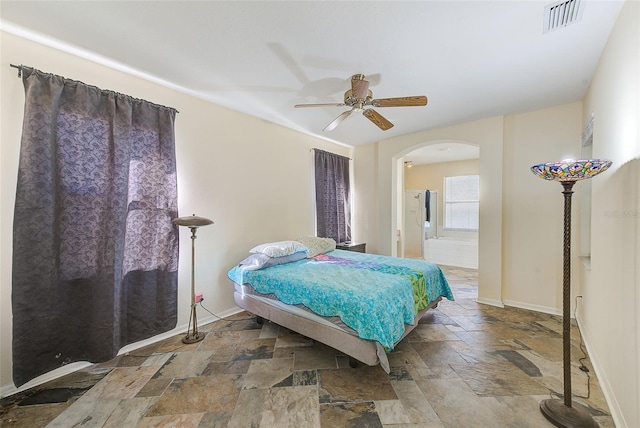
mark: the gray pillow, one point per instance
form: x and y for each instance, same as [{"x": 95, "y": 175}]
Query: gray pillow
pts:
[{"x": 262, "y": 261}]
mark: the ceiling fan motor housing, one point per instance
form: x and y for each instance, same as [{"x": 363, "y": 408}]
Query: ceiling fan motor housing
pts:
[{"x": 350, "y": 100}]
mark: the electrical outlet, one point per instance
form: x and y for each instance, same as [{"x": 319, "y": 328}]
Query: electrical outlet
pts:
[{"x": 199, "y": 297}]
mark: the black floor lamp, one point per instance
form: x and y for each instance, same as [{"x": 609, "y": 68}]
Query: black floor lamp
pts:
[
  {"x": 567, "y": 172},
  {"x": 192, "y": 222}
]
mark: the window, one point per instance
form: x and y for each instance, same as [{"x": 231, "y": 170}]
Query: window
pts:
[{"x": 461, "y": 202}]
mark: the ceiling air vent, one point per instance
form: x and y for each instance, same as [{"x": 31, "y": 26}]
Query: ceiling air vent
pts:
[{"x": 561, "y": 14}]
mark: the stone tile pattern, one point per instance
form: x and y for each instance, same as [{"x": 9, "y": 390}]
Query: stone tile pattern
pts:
[{"x": 465, "y": 365}]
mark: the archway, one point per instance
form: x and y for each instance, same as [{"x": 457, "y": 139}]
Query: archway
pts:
[
  {"x": 488, "y": 134},
  {"x": 421, "y": 204}
]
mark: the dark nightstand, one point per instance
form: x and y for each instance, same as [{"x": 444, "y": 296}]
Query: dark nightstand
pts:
[{"x": 351, "y": 246}]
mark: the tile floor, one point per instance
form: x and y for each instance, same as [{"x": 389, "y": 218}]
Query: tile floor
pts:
[{"x": 465, "y": 365}]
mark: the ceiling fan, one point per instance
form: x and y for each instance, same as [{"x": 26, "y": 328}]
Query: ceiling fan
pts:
[{"x": 359, "y": 97}]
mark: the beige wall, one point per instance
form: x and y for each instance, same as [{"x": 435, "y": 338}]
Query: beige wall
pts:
[
  {"x": 508, "y": 189},
  {"x": 365, "y": 196},
  {"x": 431, "y": 176},
  {"x": 252, "y": 178},
  {"x": 532, "y": 209},
  {"x": 609, "y": 313}
]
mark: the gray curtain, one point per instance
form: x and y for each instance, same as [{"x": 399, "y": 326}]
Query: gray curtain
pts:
[
  {"x": 333, "y": 196},
  {"x": 95, "y": 254}
]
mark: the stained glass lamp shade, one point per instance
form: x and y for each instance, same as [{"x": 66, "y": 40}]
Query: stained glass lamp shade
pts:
[
  {"x": 570, "y": 170},
  {"x": 567, "y": 172}
]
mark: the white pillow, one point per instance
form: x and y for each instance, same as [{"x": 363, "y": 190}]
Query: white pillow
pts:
[{"x": 279, "y": 249}]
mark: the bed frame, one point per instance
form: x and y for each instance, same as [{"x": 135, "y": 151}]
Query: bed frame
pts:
[{"x": 366, "y": 351}]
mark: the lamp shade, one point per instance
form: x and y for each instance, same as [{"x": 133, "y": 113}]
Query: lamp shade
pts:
[
  {"x": 570, "y": 170},
  {"x": 192, "y": 221}
]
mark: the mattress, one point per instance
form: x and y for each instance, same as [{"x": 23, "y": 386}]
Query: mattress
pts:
[{"x": 376, "y": 296}]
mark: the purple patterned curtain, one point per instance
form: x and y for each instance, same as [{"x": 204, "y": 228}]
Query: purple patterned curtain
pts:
[
  {"x": 95, "y": 255},
  {"x": 333, "y": 196}
]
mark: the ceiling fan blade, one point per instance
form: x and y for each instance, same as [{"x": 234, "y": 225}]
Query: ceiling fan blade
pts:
[
  {"x": 320, "y": 105},
  {"x": 337, "y": 121},
  {"x": 419, "y": 100},
  {"x": 377, "y": 119},
  {"x": 359, "y": 86}
]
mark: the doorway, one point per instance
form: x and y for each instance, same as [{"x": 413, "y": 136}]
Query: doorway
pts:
[{"x": 425, "y": 230}]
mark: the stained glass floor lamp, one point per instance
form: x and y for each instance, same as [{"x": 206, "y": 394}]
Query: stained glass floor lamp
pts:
[
  {"x": 192, "y": 222},
  {"x": 567, "y": 172}
]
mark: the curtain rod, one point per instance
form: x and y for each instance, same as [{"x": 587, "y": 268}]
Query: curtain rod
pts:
[
  {"x": 21, "y": 67},
  {"x": 320, "y": 150}
]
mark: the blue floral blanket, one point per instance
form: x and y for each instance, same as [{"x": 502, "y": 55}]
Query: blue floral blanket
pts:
[{"x": 374, "y": 295}]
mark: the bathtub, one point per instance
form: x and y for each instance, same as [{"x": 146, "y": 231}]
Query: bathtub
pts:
[{"x": 452, "y": 251}]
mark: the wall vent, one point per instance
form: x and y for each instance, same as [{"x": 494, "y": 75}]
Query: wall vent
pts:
[{"x": 561, "y": 14}]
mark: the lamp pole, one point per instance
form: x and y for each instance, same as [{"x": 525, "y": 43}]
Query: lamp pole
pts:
[
  {"x": 192, "y": 222},
  {"x": 192, "y": 329},
  {"x": 566, "y": 414}
]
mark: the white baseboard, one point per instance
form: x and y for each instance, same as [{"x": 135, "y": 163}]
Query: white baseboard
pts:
[
  {"x": 607, "y": 391},
  {"x": 10, "y": 389},
  {"x": 491, "y": 302},
  {"x": 536, "y": 308}
]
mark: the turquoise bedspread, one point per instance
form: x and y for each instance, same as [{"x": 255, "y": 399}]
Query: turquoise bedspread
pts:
[{"x": 374, "y": 295}]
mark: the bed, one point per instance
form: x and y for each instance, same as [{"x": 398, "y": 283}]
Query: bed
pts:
[{"x": 360, "y": 304}]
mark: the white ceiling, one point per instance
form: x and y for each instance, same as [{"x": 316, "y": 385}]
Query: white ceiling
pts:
[{"x": 472, "y": 59}]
